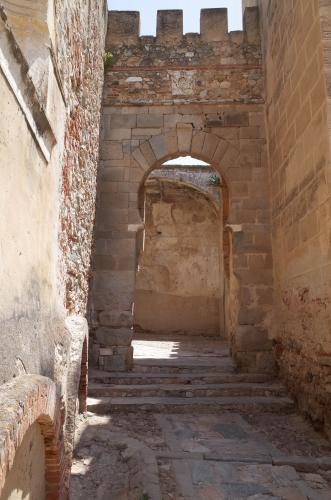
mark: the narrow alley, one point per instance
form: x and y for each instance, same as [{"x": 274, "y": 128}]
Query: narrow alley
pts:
[{"x": 184, "y": 425}]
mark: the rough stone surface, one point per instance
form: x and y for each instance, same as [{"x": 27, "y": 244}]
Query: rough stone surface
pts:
[
  {"x": 190, "y": 455},
  {"x": 298, "y": 124},
  {"x": 178, "y": 279},
  {"x": 50, "y": 83}
]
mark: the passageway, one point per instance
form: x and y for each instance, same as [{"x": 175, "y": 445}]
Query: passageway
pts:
[
  {"x": 180, "y": 279},
  {"x": 185, "y": 425}
]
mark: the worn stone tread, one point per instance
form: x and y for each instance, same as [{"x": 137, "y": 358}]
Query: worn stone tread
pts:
[
  {"x": 145, "y": 377},
  {"x": 182, "y": 365},
  {"x": 104, "y": 404},
  {"x": 188, "y": 390},
  {"x": 191, "y": 361}
]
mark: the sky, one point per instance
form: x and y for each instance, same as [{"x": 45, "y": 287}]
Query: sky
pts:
[
  {"x": 191, "y": 10},
  {"x": 185, "y": 160}
]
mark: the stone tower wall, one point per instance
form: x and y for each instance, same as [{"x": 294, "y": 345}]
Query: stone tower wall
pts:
[
  {"x": 297, "y": 65},
  {"x": 165, "y": 96}
]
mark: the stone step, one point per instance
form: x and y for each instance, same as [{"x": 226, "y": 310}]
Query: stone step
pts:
[
  {"x": 106, "y": 405},
  {"x": 180, "y": 365},
  {"x": 133, "y": 378},
  {"x": 186, "y": 391}
]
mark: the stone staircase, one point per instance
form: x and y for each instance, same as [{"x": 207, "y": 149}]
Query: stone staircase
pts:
[{"x": 181, "y": 375}]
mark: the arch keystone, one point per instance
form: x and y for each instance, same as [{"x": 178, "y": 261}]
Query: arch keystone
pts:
[{"x": 184, "y": 137}]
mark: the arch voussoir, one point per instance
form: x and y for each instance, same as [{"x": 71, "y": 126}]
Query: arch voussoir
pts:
[
  {"x": 140, "y": 159},
  {"x": 148, "y": 153},
  {"x": 197, "y": 143},
  {"x": 210, "y": 145},
  {"x": 230, "y": 157}
]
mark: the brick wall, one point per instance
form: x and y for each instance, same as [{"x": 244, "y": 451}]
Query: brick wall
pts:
[{"x": 299, "y": 153}]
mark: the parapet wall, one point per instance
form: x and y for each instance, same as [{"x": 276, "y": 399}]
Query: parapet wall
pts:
[
  {"x": 124, "y": 28},
  {"x": 219, "y": 66}
]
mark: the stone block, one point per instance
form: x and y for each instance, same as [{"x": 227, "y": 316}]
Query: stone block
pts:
[
  {"x": 111, "y": 151},
  {"x": 214, "y": 25},
  {"x": 150, "y": 121},
  {"x": 265, "y": 362},
  {"x": 250, "y": 338},
  {"x": 118, "y": 200},
  {"x": 110, "y": 337},
  {"x": 184, "y": 136},
  {"x": 220, "y": 151},
  {"x": 210, "y": 145},
  {"x": 110, "y": 216},
  {"x": 230, "y": 157},
  {"x": 158, "y": 146},
  {"x": 136, "y": 175},
  {"x": 265, "y": 296},
  {"x": 198, "y": 142},
  {"x": 105, "y": 351},
  {"x": 121, "y": 360},
  {"x": 122, "y": 246},
  {"x": 108, "y": 187},
  {"x": 171, "y": 142},
  {"x": 119, "y": 134},
  {"x": 140, "y": 158},
  {"x": 113, "y": 174},
  {"x": 148, "y": 153},
  {"x": 145, "y": 132},
  {"x": 251, "y": 132},
  {"x": 115, "y": 281},
  {"x": 251, "y": 25},
  {"x": 123, "y": 28},
  {"x": 104, "y": 263},
  {"x": 115, "y": 318},
  {"x": 95, "y": 353},
  {"x": 169, "y": 26},
  {"x": 235, "y": 119},
  {"x": 251, "y": 315},
  {"x": 122, "y": 121}
]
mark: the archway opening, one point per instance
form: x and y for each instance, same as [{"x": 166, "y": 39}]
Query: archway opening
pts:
[{"x": 181, "y": 255}]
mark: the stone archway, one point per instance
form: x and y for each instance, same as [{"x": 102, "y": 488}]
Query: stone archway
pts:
[
  {"x": 26, "y": 401},
  {"x": 179, "y": 284},
  {"x": 247, "y": 237}
]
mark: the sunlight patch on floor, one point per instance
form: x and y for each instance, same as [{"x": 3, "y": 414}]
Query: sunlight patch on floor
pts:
[{"x": 156, "y": 350}]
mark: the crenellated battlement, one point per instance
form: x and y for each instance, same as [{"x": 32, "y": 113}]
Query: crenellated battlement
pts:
[
  {"x": 213, "y": 64},
  {"x": 124, "y": 28}
]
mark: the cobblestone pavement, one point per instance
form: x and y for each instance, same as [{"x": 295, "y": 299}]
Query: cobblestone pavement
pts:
[{"x": 222, "y": 455}]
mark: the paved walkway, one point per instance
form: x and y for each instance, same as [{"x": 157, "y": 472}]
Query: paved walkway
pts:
[{"x": 132, "y": 448}]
